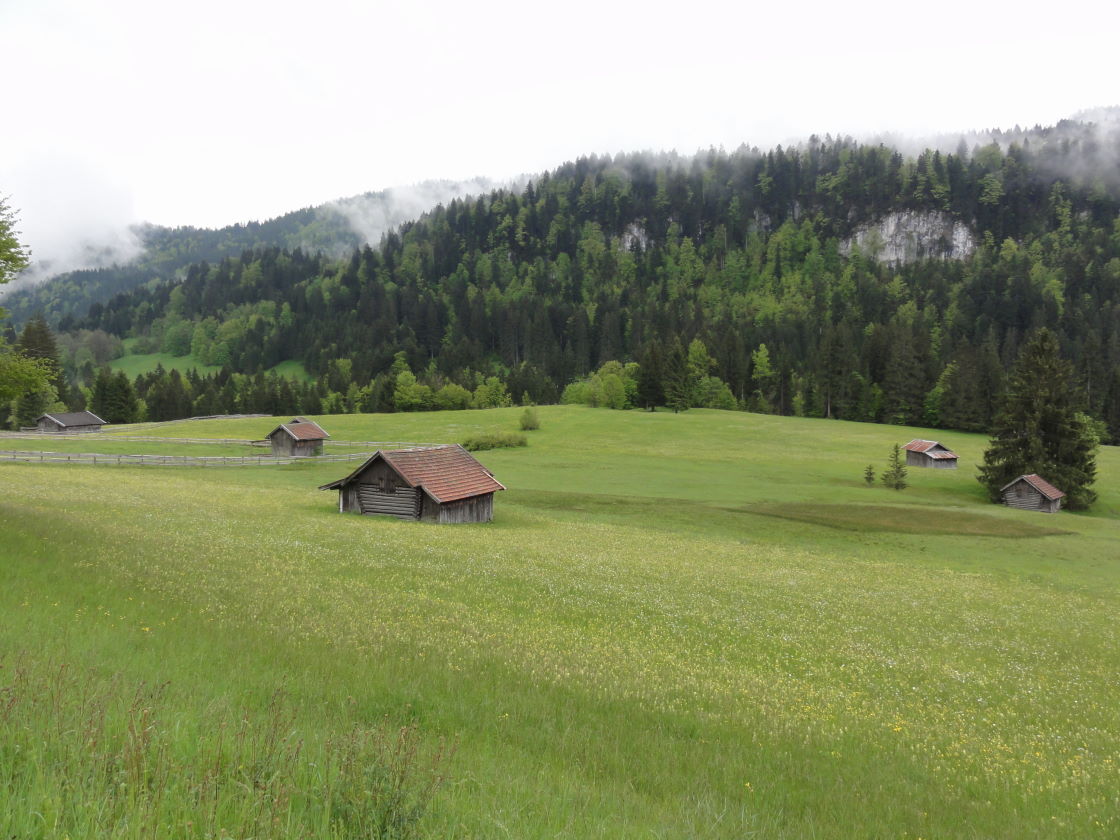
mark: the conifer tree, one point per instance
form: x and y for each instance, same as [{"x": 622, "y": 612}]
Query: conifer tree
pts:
[
  {"x": 894, "y": 476},
  {"x": 651, "y": 392},
  {"x": 678, "y": 385},
  {"x": 1039, "y": 428}
]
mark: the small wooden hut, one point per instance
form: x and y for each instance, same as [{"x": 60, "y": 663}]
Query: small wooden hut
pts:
[
  {"x": 930, "y": 453},
  {"x": 299, "y": 437},
  {"x": 1031, "y": 492},
  {"x": 74, "y": 421},
  {"x": 434, "y": 484}
]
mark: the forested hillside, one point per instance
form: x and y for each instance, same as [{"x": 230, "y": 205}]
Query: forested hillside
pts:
[
  {"x": 748, "y": 257},
  {"x": 336, "y": 229}
]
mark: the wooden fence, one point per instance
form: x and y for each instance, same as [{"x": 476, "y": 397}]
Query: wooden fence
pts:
[
  {"x": 109, "y": 436},
  {"x": 175, "y": 460}
]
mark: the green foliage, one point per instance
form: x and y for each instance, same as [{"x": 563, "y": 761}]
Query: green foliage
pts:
[
  {"x": 750, "y": 259},
  {"x": 650, "y": 384},
  {"x": 530, "y": 421},
  {"x": 14, "y": 256},
  {"x": 678, "y": 384},
  {"x": 30, "y": 374},
  {"x": 409, "y": 395},
  {"x": 869, "y": 475},
  {"x": 1040, "y": 429},
  {"x": 894, "y": 476},
  {"x": 491, "y": 393},
  {"x": 494, "y": 440},
  {"x": 19, "y": 374},
  {"x": 453, "y": 397}
]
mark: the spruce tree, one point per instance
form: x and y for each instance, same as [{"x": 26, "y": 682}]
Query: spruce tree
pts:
[
  {"x": 677, "y": 384},
  {"x": 651, "y": 392},
  {"x": 894, "y": 476},
  {"x": 1039, "y": 428}
]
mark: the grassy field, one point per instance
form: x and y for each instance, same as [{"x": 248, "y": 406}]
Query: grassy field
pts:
[{"x": 695, "y": 625}]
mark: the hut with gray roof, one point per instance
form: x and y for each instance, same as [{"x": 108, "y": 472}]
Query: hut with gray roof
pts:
[
  {"x": 444, "y": 484},
  {"x": 298, "y": 437},
  {"x": 930, "y": 453},
  {"x": 69, "y": 422},
  {"x": 1032, "y": 492}
]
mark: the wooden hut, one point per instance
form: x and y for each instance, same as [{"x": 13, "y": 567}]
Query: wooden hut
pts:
[
  {"x": 435, "y": 484},
  {"x": 930, "y": 453},
  {"x": 299, "y": 437},
  {"x": 74, "y": 421},
  {"x": 1031, "y": 492}
]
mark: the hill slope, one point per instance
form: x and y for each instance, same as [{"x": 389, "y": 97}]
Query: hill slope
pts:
[
  {"x": 834, "y": 279},
  {"x": 696, "y": 625},
  {"x": 336, "y": 228}
]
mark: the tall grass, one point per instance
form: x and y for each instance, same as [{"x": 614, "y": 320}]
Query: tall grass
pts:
[
  {"x": 702, "y": 625},
  {"x": 82, "y": 755}
]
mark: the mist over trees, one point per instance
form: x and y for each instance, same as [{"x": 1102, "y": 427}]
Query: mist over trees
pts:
[{"x": 746, "y": 261}]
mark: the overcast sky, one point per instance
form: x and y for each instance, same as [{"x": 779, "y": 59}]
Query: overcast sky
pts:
[{"x": 208, "y": 113}]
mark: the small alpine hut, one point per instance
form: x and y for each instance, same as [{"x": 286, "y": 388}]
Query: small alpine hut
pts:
[
  {"x": 442, "y": 484},
  {"x": 930, "y": 453},
  {"x": 299, "y": 437},
  {"x": 1031, "y": 492},
  {"x": 74, "y": 421}
]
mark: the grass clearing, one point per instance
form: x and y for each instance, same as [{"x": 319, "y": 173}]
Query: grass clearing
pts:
[
  {"x": 701, "y": 625},
  {"x": 134, "y": 364}
]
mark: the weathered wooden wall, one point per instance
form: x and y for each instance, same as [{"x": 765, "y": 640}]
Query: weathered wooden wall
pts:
[
  {"x": 474, "y": 509},
  {"x": 920, "y": 459},
  {"x": 1024, "y": 497},
  {"x": 282, "y": 443},
  {"x": 401, "y": 502}
]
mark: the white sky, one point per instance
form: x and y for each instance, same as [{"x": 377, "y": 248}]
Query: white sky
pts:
[{"x": 218, "y": 111}]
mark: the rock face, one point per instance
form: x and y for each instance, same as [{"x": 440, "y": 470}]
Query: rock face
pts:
[{"x": 907, "y": 236}]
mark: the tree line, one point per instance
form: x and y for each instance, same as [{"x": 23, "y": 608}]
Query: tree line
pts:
[{"x": 750, "y": 254}]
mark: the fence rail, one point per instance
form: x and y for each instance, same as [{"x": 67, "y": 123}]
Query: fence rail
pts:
[
  {"x": 174, "y": 460},
  {"x": 109, "y": 436}
]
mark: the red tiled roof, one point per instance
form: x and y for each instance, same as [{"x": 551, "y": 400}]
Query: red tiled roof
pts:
[
  {"x": 447, "y": 473},
  {"x": 1042, "y": 486},
  {"x": 306, "y": 430}
]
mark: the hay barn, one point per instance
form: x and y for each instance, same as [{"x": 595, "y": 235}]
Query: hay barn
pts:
[
  {"x": 930, "y": 453},
  {"x": 442, "y": 484},
  {"x": 74, "y": 421},
  {"x": 1032, "y": 492},
  {"x": 298, "y": 437}
]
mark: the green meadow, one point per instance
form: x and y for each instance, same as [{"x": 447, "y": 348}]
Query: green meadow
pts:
[{"x": 677, "y": 626}]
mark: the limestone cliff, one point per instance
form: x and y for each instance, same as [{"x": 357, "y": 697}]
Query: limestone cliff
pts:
[{"x": 906, "y": 236}]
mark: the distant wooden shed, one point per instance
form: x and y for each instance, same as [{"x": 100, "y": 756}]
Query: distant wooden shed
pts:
[
  {"x": 298, "y": 437},
  {"x": 74, "y": 421},
  {"x": 1032, "y": 492},
  {"x": 930, "y": 453},
  {"x": 435, "y": 484}
]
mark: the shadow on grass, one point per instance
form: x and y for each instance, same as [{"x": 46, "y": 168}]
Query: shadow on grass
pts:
[
  {"x": 902, "y": 520},
  {"x": 671, "y": 513}
]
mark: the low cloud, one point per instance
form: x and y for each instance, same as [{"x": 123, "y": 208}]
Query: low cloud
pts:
[
  {"x": 372, "y": 215},
  {"x": 70, "y": 216}
]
